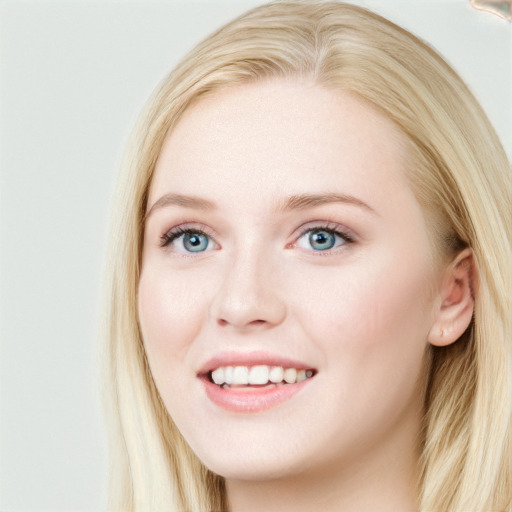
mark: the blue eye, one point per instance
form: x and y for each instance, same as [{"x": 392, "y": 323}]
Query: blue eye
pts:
[
  {"x": 188, "y": 241},
  {"x": 195, "y": 242},
  {"x": 322, "y": 239}
]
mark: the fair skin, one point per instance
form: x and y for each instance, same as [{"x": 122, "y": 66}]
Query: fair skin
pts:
[{"x": 291, "y": 230}]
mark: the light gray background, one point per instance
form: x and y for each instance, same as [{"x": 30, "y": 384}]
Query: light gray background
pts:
[{"x": 73, "y": 75}]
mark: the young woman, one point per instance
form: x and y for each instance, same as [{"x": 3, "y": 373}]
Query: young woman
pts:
[{"x": 309, "y": 286}]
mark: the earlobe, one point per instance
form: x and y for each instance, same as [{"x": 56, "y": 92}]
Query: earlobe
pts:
[{"x": 456, "y": 303}]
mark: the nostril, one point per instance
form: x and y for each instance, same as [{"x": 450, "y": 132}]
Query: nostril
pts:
[{"x": 222, "y": 322}]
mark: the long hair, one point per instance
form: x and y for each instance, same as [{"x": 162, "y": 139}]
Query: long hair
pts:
[{"x": 461, "y": 177}]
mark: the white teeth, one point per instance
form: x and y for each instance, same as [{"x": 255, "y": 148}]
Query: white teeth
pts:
[
  {"x": 276, "y": 374},
  {"x": 259, "y": 375},
  {"x": 218, "y": 376},
  {"x": 240, "y": 375},
  {"x": 228, "y": 375},
  {"x": 301, "y": 375},
  {"x": 290, "y": 375}
]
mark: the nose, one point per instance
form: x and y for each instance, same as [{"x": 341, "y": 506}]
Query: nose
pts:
[{"x": 249, "y": 296}]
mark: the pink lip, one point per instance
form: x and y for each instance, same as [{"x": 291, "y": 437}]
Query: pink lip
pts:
[{"x": 250, "y": 399}]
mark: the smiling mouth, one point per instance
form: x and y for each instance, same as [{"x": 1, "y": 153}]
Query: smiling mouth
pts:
[
  {"x": 257, "y": 376},
  {"x": 254, "y": 388}
]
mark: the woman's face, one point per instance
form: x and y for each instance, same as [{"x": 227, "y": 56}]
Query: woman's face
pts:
[{"x": 283, "y": 243}]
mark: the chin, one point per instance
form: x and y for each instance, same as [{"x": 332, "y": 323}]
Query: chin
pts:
[
  {"x": 264, "y": 468},
  {"x": 254, "y": 459}
]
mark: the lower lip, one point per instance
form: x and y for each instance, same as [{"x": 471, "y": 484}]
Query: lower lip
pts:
[{"x": 251, "y": 400}]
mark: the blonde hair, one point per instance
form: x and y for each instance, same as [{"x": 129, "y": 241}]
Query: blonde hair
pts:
[{"x": 460, "y": 175}]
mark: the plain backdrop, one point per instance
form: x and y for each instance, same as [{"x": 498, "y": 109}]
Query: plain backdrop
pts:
[{"x": 73, "y": 76}]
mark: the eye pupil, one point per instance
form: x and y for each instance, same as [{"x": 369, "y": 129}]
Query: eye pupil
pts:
[
  {"x": 195, "y": 242},
  {"x": 322, "y": 240}
]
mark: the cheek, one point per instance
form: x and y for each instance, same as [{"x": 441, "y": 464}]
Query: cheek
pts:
[
  {"x": 371, "y": 327},
  {"x": 171, "y": 312},
  {"x": 371, "y": 322},
  {"x": 365, "y": 301},
  {"x": 390, "y": 309}
]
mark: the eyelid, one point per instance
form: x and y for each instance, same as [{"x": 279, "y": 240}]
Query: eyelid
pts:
[
  {"x": 175, "y": 232},
  {"x": 333, "y": 227},
  {"x": 339, "y": 229}
]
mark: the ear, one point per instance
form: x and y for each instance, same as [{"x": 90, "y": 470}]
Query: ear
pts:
[{"x": 456, "y": 303}]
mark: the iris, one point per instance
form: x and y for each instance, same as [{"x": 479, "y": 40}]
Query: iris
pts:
[
  {"x": 195, "y": 242},
  {"x": 321, "y": 240}
]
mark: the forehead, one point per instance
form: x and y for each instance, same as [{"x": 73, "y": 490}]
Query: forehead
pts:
[{"x": 288, "y": 137}]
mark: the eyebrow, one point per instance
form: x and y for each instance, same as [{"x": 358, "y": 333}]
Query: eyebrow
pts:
[
  {"x": 304, "y": 201},
  {"x": 192, "y": 202},
  {"x": 295, "y": 202}
]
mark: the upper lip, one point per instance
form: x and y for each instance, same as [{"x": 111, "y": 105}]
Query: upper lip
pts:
[{"x": 253, "y": 358}]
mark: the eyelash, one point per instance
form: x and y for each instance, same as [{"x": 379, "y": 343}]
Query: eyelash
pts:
[
  {"x": 334, "y": 229},
  {"x": 173, "y": 234},
  {"x": 331, "y": 228}
]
